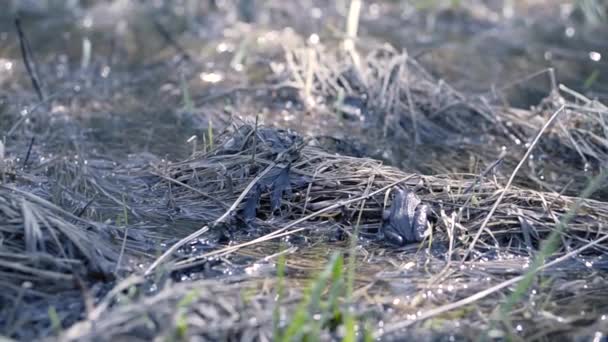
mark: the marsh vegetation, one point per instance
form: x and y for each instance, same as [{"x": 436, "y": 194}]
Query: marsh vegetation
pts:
[{"x": 310, "y": 170}]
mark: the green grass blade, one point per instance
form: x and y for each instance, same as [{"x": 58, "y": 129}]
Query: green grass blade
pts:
[
  {"x": 303, "y": 323},
  {"x": 188, "y": 104},
  {"x": 276, "y": 314},
  {"x": 55, "y": 320}
]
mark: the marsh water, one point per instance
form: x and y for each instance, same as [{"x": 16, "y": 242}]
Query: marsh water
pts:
[
  {"x": 129, "y": 84},
  {"x": 102, "y": 48}
]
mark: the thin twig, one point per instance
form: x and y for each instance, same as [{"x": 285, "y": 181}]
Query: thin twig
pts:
[
  {"x": 255, "y": 139},
  {"x": 86, "y": 206},
  {"x": 243, "y": 194},
  {"x": 122, "y": 250},
  {"x": 28, "y": 59},
  {"x": 203, "y": 194},
  {"x": 29, "y": 151},
  {"x": 175, "y": 247},
  {"x": 160, "y": 28}
]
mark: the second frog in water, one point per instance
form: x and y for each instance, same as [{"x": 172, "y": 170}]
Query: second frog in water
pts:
[{"x": 405, "y": 221}]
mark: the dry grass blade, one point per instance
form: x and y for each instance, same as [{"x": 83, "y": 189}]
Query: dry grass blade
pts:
[{"x": 174, "y": 248}]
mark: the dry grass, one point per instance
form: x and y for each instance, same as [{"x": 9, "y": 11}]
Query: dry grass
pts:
[
  {"x": 126, "y": 239},
  {"x": 413, "y": 117},
  {"x": 46, "y": 251},
  {"x": 211, "y": 310},
  {"x": 42, "y": 242},
  {"x": 320, "y": 180}
]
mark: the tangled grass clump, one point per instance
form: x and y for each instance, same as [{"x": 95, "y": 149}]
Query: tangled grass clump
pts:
[{"x": 46, "y": 249}]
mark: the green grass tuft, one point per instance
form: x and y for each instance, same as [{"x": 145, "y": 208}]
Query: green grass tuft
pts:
[
  {"x": 55, "y": 320},
  {"x": 316, "y": 312}
]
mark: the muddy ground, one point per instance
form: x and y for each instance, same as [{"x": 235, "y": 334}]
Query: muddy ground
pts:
[{"x": 230, "y": 170}]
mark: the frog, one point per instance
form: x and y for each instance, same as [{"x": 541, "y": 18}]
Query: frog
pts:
[{"x": 406, "y": 219}]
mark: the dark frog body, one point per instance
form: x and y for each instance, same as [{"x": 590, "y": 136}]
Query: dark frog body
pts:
[{"x": 405, "y": 221}]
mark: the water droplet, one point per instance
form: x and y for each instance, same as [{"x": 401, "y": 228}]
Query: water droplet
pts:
[
  {"x": 87, "y": 22},
  {"x": 211, "y": 77},
  {"x": 570, "y": 31},
  {"x": 314, "y": 39},
  {"x": 595, "y": 56},
  {"x": 224, "y": 47},
  {"x": 105, "y": 71}
]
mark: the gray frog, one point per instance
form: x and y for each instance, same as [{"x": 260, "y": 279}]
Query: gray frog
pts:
[{"x": 406, "y": 219}]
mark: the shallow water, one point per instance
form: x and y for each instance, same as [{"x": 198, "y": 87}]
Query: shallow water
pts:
[{"x": 138, "y": 84}]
